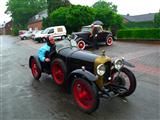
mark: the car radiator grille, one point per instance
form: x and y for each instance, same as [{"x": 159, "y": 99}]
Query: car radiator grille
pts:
[{"x": 108, "y": 71}]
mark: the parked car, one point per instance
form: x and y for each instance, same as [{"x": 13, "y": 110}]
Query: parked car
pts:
[
  {"x": 26, "y": 35},
  {"x": 22, "y": 32},
  {"x": 56, "y": 31},
  {"x": 84, "y": 38},
  {"x": 86, "y": 75},
  {"x": 34, "y": 32}
]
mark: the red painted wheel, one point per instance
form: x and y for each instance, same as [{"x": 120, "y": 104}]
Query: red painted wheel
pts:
[
  {"x": 81, "y": 44},
  {"x": 109, "y": 41},
  {"x": 35, "y": 70},
  {"x": 85, "y": 95},
  {"x": 58, "y": 71}
]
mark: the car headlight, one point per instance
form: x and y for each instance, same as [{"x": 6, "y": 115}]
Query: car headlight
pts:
[
  {"x": 118, "y": 63},
  {"x": 100, "y": 69}
]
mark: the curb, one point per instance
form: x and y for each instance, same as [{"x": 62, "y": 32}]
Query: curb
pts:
[{"x": 155, "y": 42}]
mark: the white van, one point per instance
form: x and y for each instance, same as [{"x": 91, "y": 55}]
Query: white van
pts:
[{"x": 56, "y": 31}]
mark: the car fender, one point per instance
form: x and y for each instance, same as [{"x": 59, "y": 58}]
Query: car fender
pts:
[
  {"x": 37, "y": 61},
  {"x": 82, "y": 74}
]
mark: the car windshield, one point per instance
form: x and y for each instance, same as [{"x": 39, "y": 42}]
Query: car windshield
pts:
[
  {"x": 65, "y": 43},
  {"x": 45, "y": 31},
  {"x": 86, "y": 29},
  {"x": 99, "y": 29}
]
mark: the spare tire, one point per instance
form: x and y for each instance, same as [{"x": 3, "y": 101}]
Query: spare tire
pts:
[{"x": 81, "y": 44}]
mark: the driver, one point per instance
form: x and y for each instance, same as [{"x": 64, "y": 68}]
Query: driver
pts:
[{"x": 44, "y": 51}]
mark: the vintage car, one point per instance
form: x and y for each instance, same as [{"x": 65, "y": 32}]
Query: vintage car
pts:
[
  {"x": 86, "y": 75},
  {"x": 84, "y": 38}
]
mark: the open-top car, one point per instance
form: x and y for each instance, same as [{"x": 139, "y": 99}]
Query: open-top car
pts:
[
  {"x": 86, "y": 75},
  {"x": 84, "y": 38}
]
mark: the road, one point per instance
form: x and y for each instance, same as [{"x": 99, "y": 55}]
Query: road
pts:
[{"x": 23, "y": 98}]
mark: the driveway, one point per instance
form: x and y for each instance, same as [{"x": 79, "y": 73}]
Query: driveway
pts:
[{"x": 23, "y": 98}]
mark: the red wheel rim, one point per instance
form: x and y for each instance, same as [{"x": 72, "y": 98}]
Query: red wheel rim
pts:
[
  {"x": 81, "y": 45},
  {"x": 109, "y": 41},
  {"x": 58, "y": 73},
  {"x": 83, "y": 94},
  {"x": 34, "y": 68}
]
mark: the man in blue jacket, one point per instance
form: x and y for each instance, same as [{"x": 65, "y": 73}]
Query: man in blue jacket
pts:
[{"x": 45, "y": 50}]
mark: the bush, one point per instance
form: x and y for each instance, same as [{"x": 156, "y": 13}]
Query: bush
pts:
[
  {"x": 148, "y": 33},
  {"x": 15, "y": 31},
  {"x": 76, "y": 16},
  {"x": 72, "y": 17},
  {"x": 147, "y": 24}
]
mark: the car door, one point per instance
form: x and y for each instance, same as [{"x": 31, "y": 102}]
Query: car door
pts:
[{"x": 51, "y": 31}]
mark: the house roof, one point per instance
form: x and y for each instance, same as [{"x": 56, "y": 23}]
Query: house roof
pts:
[
  {"x": 140, "y": 18},
  {"x": 39, "y": 16}
]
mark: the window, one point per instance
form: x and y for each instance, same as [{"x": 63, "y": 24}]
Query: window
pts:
[
  {"x": 59, "y": 30},
  {"x": 51, "y": 31}
]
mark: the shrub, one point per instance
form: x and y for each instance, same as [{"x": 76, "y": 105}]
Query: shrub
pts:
[{"x": 148, "y": 33}]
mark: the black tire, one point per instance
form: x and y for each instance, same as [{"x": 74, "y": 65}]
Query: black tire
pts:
[
  {"x": 36, "y": 72},
  {"x": 109, "y": 40},
  {"x": 24, "y": 38},
  {"x": 131, "y": 78},
  {"x": 81, "y": 44},
  {"x": 58, "y": 71},
  {"x": 90, "y": 101},
  {"x": 43, "y": 40}
]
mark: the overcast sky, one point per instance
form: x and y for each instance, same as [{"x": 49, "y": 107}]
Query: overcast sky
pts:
[{"x": 133, "y": 7}]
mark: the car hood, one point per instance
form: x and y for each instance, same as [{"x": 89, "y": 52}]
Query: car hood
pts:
[{"x": 83, "y": 58}]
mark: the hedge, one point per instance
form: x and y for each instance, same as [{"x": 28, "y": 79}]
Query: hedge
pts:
[{"x": 139, "y": 33}]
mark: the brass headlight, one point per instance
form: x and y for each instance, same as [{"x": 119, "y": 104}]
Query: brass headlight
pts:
[{"x": 101, "y": 69}]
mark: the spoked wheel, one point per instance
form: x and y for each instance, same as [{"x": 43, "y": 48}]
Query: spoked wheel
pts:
[
  {"x": 58, "y": 71},
  {"x": 109, "y": 41},
  {"x": 81, "y": 44},
  {"x": 126, "y": 79},
  {"x": 35, "y": 70},
  {"x": 85, "y": 95}
]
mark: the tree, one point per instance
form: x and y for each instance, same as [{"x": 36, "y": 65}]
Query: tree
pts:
[
  {"x": 22, "y": 10},
  {"x": 54, "y": 4},
  {"x": 107, "y": 13},
  {"x": 157, "y": 20},
  {"x": 73, "y": 17},
  {"x": 103, "y": 4}
]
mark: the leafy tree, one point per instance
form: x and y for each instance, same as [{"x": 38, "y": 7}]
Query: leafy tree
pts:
[
  {"x": 54, "y": 4},
  {"x": 107, "y": 13},
  {"x": 103, "y": 4},
  {"x": 157, "y": 20},
  {"x": 22, "y": 10},
  {"x": 72, "y": 17}
]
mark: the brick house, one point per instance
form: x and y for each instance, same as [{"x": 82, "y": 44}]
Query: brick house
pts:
[
  {"x": 6, "y": 29},
  {"x": 35, "y": 23},
  {"x": 2, "y": 30}
]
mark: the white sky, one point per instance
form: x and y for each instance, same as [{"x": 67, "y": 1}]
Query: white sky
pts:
[{"x": 133, "y": 7}]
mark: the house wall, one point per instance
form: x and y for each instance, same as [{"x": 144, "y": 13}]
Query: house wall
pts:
[
  {"x": 2, "y": 31},
  {"x": 8, "y": 28},
  {"x": 36, "y": 25}
]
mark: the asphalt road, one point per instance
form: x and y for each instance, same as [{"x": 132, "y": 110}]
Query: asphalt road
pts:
[{"x": 23, "y": 98}]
